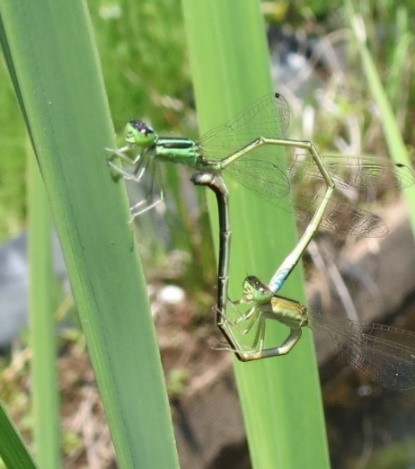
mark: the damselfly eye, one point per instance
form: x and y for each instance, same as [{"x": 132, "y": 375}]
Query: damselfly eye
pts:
[{"x": 141, "y": 127}]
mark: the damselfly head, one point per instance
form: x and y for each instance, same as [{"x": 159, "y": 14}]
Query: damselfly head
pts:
[
  {"x": 255, "y": 290},
  {"x": 139, "y": 133}
]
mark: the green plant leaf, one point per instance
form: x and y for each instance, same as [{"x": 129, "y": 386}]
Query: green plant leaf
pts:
[
  {"x": 280, "y": 396},
  {"x": 45, "y": 392},
  {"x": 57, "y": 75},
  {"x": 13, "y": 450}
]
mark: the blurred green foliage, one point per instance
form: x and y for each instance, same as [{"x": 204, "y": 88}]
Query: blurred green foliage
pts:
[{"x": 141, "y": 46}]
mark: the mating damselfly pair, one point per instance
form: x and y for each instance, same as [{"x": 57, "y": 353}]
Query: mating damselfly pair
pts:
[{"x": 248, "y": 148}]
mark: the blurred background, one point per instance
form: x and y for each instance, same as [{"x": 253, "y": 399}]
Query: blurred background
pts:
[{"x": 316, "y": 66}]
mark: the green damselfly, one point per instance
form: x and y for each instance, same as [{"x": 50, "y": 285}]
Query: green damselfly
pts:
[
  {"x": 384, "y": 353},
  {"x": 245, "y": 149}
]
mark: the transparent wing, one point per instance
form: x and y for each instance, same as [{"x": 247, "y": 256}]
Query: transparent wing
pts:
[
  {"x": 272, "y": 171},
  {"x": 384, "y": 353},
  {"x": 263, "y": 177},
  {"x": 341, "y": 218},
  {"x": 268, "y": 116},
  {"x": 358, "y": 181},
  {"x": 264, "y": 169},
  {"x": 367, "y": 174}
]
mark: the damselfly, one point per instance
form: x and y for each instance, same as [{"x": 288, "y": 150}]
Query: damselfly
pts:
[{"x": 384, "y": 353}]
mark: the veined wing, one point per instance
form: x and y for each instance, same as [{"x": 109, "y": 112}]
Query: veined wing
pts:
[
  {"x": 364, "y": 173},
  {"x": 342, "y": 218},
  {"x": 384, "y": 353},
  {"x": 262, "y": 170},
  {"x": 358, "y": 179},
  {"x": 262, "y": 177},
  {"x": 268, "y": 116}
]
